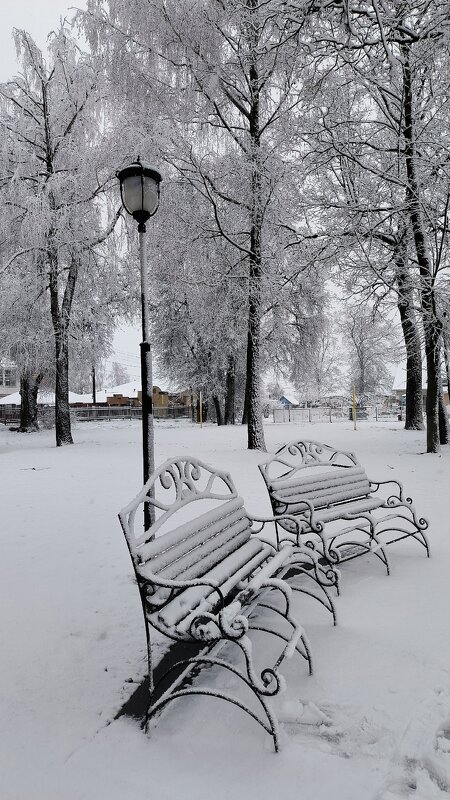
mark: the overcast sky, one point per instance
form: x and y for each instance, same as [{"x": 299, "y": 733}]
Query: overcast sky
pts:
[{"x": 37, "y": 17}]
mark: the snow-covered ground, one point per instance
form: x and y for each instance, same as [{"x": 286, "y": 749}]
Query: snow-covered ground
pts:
[{"x": 73, "y": 646}]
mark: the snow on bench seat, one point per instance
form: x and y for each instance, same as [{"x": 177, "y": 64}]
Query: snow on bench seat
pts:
[{"x": 226, "y": 575}]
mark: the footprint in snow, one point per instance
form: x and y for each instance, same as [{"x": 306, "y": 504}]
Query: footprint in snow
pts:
[{"x": 420, "y": 768}]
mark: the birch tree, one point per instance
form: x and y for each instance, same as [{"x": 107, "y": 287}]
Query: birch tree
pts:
[{"x": 55, "y": 172}]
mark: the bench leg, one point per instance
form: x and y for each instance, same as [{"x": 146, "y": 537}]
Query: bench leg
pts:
[
  {"x": 304, "y": 651},
  {"x": 330, "y": 578},
  {"x": 222, "y": 629},
  {"x": 367, "y": 527},
  {"x": 406, "y": 527},
  {"x": 419, "y": 536},
  {"x": 268, "y": 722},
  {"x": 377, "y": 551}
]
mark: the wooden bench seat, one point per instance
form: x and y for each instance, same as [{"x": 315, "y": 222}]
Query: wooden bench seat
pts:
[
  {"x": 203, "y": 570},
  {"x": 322, "y": 488}
]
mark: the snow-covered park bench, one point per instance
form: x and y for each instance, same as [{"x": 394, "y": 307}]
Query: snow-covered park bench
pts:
[
  {"x": 330, "y": 495},
  {"x": 206, "y": 576}
]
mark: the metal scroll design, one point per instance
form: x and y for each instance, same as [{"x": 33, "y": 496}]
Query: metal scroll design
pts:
[
  {"x": 311, "y": 452},
  {"x": 184, "y": 480},
  {"x": 293, "y": 457},
  {"x": 230, "y": 626},
  {"x": 173, "y": 485}
]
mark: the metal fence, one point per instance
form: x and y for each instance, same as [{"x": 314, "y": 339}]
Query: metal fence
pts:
[
  {"x": 9, "y": 416},
  {"x": 128, "y": 412},
  {"x": 328, "y": 414}
]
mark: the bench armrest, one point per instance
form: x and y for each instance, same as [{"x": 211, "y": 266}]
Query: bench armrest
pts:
[
  {"x": 375, "y": 485},
  {"x": 152, "y": 581},
  {"x": 302, "y": 506},
  {"x": 261, "y": 522},
  {"x": 297, "y": 524}
]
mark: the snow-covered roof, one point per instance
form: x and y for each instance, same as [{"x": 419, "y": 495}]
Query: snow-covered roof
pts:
[
  {"x": 290, "y": 400},
  {"x": 47, "y": 398},
  {"x": 129, "y": 389},
  {"x": 44, "y": 398}
]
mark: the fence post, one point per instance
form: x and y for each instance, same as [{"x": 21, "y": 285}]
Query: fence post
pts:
[
  {"x": 309, "y": 414},
  {"x": 330, "y": 415}
]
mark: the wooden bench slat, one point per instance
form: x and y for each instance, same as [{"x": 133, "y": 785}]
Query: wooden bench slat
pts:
[
  {"x": 315, "y": 477},
  {"x": 227, "y": 574},
  {"x": 211, "y": 520},
  {"x": 271, "y": 567},
  {"x": 206, "y": 540},
  {"x": 336, "y": 513},
  {"x": 355, "y": 507},
  {"x": 197, "y": 562},
  {"x": 325, "y": 496}
]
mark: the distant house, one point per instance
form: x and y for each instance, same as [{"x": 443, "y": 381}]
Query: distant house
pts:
[
  {"x": 130, "y": 394},
  {"x": 9, "y": 379},
  {"x": 399, "y": 384},
  {"x": 288, "y": 402}
]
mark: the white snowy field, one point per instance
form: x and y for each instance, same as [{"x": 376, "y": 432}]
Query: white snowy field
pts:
[{"x": 73, "y": 644}]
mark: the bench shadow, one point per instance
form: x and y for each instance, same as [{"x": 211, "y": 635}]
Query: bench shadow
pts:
[{"x": 164, "y": 675}]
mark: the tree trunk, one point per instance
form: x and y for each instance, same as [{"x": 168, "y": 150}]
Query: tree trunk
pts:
[
  {"x": 431, "y": 324},
  {"x": 62, "y": 408},
  {"x": 245, "y": 409},
  {"x": 445, "y": 348},
  {"x": 60, "y": 308},
  {"x": 60, "y": 313},
  {"x": 443, "y": 420},
  {"x": 255, "y": 431},
  {"x": 411, "y": 335},
  {"x": 94, "y": 385},
  {"x": 230, "y": 391},
  {"x": 218, "y": 410},
  {"x": 29, "y": 387}
]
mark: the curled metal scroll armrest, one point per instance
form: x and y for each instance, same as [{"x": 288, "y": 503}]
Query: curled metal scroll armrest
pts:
[
  {"x": 297, "y": 524},
  {"x": 375, "y": 485}
]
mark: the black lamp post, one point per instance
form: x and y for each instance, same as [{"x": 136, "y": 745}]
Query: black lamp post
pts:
[{"x": 139, "y": 189}]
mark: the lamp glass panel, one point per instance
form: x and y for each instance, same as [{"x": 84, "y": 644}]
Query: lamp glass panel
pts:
[
  {"x": 132, "y": 193},
  {"x": 150, "y": 195}
]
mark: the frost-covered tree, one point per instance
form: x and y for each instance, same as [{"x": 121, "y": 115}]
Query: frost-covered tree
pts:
[
  {"x": 118, "y": 374},
  {"x": 26, "y": 336},
  {"x": 54, "y": 173},
  {"x": 199, "y": 299},
  {"x": 321, "y": 369},
  {"x": 226, "y": 93},
  {"x": 394, "y": 56},
  {"x": 372, "y": 345}
]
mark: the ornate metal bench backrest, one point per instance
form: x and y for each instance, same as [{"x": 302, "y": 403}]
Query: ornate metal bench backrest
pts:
[
  {"x": 182, "y": 542},
  {"x": 313, "y": 471}
]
